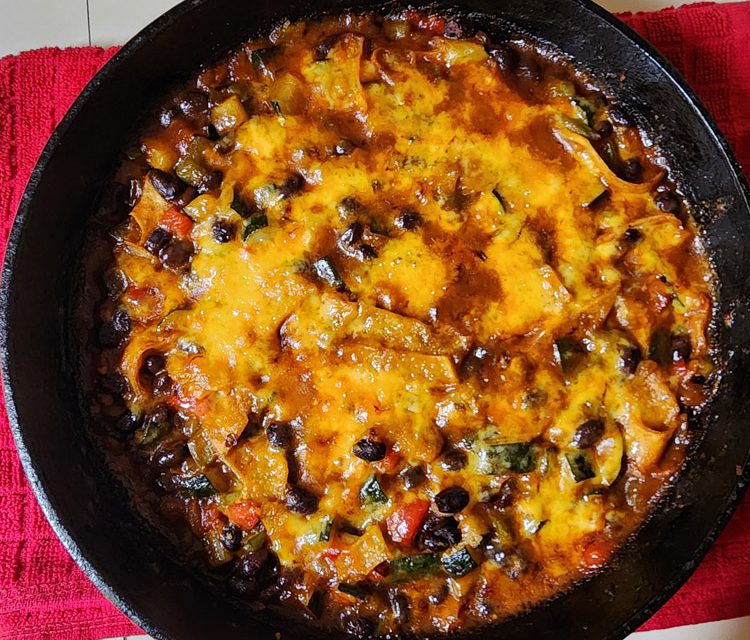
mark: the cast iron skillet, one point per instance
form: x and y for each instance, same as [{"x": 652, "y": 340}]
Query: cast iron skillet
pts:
[{"x": 86, "y": 506}]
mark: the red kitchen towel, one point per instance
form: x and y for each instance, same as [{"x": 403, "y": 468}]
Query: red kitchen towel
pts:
[{"x": 43, "y": 594}]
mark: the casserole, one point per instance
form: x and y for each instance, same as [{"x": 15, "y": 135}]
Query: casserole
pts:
[{"x": 41, "y": 305}]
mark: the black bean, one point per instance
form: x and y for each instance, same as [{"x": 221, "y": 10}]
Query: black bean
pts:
[
  {"x": 162, "y": 384},
  {"x": 211, "y": 181},
  {"x": 588, "y": 433},
  {"x": 116, "y": 283},
  {"x": 507, "y": 58},
  {"x": 128, "y": 422},
  {"x": 213, "y": 134},
  {"x": 293, "y": 184},
  {"x": 604, "y": 128},
  {"x": 350, "y": 205},
  {"x": 223, "y": 231},
  {"x": 323, "y": 48},
  {"x": 154, "y": 363},
  {"x": 413, "y": 477},
  {"x": 369, "y": 449},
  {"x": 169, "y": 456},
  {"x": 452, "y": 500},
  {"x": 472, "y": 362},
  {"x": 134, "y": 192},
  {"x": 357, "y": 626},
  {"x": 194, "y": 104},
  {"x": 632, "y": 235},
  {"x": 121, "y": 321},
  {"x": 252, "y": 426},
  {"x": 680, "y": 347},
  {"x": 108, "y": 337},
  {"x": 177, "y": 254},
  {"x": 454, "y": 460},
  {"x": 298, "y": 500},
  {"x": 167, "y": 185},
  {"x": 632, "y": 170},
  {"x": 279, "y": 435},
  {"x": 231, "y": 537},
  {"x": 114, "y": 383},
  {"x": 367, "y": 252},
  {"x": 409, "y": 220},
  {"x": 667, "y": 201},
  {"x": 630, "y": 356},
  {"x": 353, "y": 234},
  {"x": 438, "y": 533},
  {"x": 344, "y": 148},
  {"x": 159, "y": 415},
  {"x": 259, "y": 565},
  {"x": 507, "y": 494},
  {"x": 399, "y": 605},
  {"x": 437, "y": 597},
  {"x": 166, "y": 116},
  {"x": 158, "y": 239},
  {"x": 698, "y": 379}
]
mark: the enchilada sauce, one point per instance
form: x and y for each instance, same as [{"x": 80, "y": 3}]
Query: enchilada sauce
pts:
[{"x": 403, "y": 324}]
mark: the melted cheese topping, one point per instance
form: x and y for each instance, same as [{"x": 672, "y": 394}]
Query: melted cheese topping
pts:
[{"x": 445, "y": 264}]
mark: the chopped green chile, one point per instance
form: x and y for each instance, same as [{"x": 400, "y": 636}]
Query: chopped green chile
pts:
[
  {"x": 580, "y": 464},
  {"x": 459, "y": 563},
  {"x": 496, "y": 459},
  {"x": 371, "y": 492},
  {"x": 413, "y": 567},
  {"x": 255, "y": 222}
]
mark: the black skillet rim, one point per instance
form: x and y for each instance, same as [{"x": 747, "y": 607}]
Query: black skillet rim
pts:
[{"x": 98, "y": 577}]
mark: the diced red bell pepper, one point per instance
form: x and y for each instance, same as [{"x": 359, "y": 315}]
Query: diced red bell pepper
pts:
[
  {"x": 405, "y": 521},
  {"x": 244, "y": 514},
  {"x": 597, "y": 553},
  {"x": 176, "y": 222},
  {"x": 390, "y": 462},
  {"x": 434, "y": 24},
  {"x": 210, "y": 516}
]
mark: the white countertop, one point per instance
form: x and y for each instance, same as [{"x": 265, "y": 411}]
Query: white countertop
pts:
[{"x": 29, "y": 24}]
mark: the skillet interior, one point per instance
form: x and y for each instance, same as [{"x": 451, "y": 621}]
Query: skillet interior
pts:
[{"x": 87, "y": 507}]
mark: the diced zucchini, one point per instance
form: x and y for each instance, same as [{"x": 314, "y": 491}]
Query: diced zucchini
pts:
[
  {"x": 255, "y": 539},
  {"x": 459, "y": 563},
  {"x": 579, "y": 126},
  {"x": 153, "y": 429},
  {"x": 496, "y": 459},
  {"x": 580, "y": 465},
  {"x": 190, "y": 171},
  {"x": 371, "y": 493},
  {"x": 413, "y": 567},
  {"x": 215, "y": 550},
  {"x": 228, "y": 115},
  {"x": 199, "y": 485},
  {"x": 258, "y": 221},
  {"x": 325, "y": 530}
]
